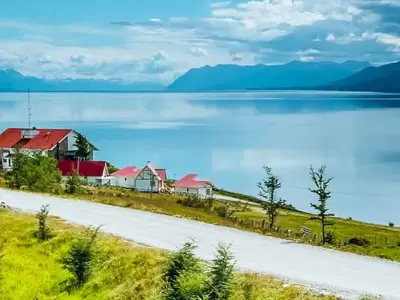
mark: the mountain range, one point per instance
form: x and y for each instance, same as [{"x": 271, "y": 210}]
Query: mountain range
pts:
[
  {"x": 293, "y": 75},
  {"x": 296, "y": 75},
  {"x": 385, "y": 79},
  {"x": 13, "y": 81}
]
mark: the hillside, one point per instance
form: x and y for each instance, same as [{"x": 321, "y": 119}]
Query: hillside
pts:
[
  {"x": 385, "y": 78},
  {"x": 33, "y": 269},
  {"x": 292, "y": 75},
  {"x": 13, "y": 81}
]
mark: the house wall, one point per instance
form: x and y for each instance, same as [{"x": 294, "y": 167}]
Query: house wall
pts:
[
  {"x": 91, "y": 180},
  {"x": 144, "y": 185},
  {"x": 186, "y": 191},
  {"x": 71, "y": 141},
  {"x": 125, "y": 182},
  {"x": 205, "y": 192},
  {"x": 62, "y": 148}
]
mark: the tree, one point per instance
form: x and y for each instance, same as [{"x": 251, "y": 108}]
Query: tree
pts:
[
  {"x": 74, "y": 183},
  {"x": 36, "y": 172},
  {"x": 79, "y": 259},
  {"x": 83, "y": 147},
  {"x": 16, "y": 177},
  {"x": 321, "y": 189},
  {"x": 221, "y": 274},
  {"x": 180, "y": 263},
  {"x": 268, "y": 191},
  {"x": 43, "y": 232},
  {"x": 42, "y": 173}
]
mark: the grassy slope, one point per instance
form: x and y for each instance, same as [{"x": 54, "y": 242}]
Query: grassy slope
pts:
[
  {"x": 385, "y": 241},
  {"x": 123, "y": 270}
]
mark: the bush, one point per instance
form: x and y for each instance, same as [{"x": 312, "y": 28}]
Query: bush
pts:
[
  {"x": 79, "y": 259},
  {"x": 391, "y": 224},
  {"x": 362, "y": 242},
  {"x": 194, "y": 202},
  {"x": 182, "y": 265},
  {"x": 43, "y": 233},
  {"x": 221, "y": 275},
  {"x": 74, "y": 184},
  {"x": 330, "y": 238}
]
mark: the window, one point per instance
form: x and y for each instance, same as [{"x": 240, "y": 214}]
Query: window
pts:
[
  {"x": 5, "y": 160},
  {"x": 187, "y": 190},
  {"x": 208, "y": 192},
  {"x": 125, "y": 178}
]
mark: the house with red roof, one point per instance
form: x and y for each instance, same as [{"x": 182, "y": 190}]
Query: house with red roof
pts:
[
  {"x": 93, "y": 172},
  {"x": 146, "y": 179},
  {"x": 58, "y": 143},
  {"x": 191, "y": 185}
]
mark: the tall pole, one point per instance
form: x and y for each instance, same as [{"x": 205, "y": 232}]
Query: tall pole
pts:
[{"x": 29, "y": 108}]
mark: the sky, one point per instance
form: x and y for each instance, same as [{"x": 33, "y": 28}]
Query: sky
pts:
[{"x": 158, "y": 40}]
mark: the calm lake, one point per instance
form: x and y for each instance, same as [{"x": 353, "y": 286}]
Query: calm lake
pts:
[{"x": 228, "y": 137}]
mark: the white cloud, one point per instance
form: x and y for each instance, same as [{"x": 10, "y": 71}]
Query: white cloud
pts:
[
  {"x": 160, "y": 51},
  {"x": 220, "y": 4}
]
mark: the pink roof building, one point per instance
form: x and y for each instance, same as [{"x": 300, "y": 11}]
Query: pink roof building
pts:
[{"x": 189, "y": 185}]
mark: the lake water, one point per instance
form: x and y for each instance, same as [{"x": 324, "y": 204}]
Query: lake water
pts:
[{"x": 228, "y": 137}]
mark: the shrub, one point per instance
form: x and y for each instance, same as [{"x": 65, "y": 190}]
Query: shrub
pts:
[
  {"x": 181, "y": 265},
  {"x": 79, "y": 259},
  {"x": 391, "y": 224},
  {"x": 362, "y": 242},
  {"x": 193, "y": 201},
  {"x": 43, "y": 232},
  {"x": 330, "y": 238},
  {"x": 74, "y": 184},
  {"x": 221, "y": 275}
]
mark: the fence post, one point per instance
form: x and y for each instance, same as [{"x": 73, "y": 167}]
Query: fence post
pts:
[{"x": 263, "y": 224}]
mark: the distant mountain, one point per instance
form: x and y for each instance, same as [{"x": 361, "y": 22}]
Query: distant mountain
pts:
[
  {"x": 13, "y": 81},
  {"x": 385, "y": 79},
  {"x": 292, "y": 75}
]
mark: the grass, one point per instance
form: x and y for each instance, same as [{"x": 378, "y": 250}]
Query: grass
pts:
[
  {"x": 122, "y": 270},
  {"x": 384, "y": 241}
]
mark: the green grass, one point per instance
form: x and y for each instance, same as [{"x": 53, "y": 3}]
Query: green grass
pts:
[
  {"x": 384, "y": 240},
  {"x": 122, "y": 270}
]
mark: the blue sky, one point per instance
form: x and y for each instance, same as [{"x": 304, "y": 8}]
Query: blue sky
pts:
[{"x": 158, "y": 40}]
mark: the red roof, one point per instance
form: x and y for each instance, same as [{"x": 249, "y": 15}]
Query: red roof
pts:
[
  {"x": 189, "y": 181},
  {"x": 131, "y": 171},
  {"x": 46, "y": 139},
  {"x": 86, "y": 168},
  {"x": 162, "y": 173}
]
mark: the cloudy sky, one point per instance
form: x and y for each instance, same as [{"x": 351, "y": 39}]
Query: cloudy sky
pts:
[{"x": 158, "y": 40}]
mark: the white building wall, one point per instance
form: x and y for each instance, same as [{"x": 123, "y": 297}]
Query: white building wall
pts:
[
  {"x": 186, "y": 191},
  {"x": 144, "y": 185},
  {"x": 205, "y": 192},
  {"x": 125, "y": 182}
]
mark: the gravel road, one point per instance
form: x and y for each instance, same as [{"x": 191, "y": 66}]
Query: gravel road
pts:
[{"x": 347, "y": 275}]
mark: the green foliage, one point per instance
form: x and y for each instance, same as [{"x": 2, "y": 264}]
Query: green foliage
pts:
[
  {"x": 74, "y": 183},
  {"x": 16, "y": 178},
  {"x": 79, "y": 259},
  {"x": 330, "y": 238},
  {"x": 43, "y": 232},
  {"x": 181, "y": 263},
  {"x": 362, "y": 242},
  {"x": 35, "y": 172},
  {"x": 391, "y": 224},
  {"x": 83, "y": 147},
  {"x": 268, "y": 190},
  {"x": 321, "y": 189},
  {"x": 111, "y": 168},
  {"x": 221, "y": 275},
  {"x": 2, "y": 247}
]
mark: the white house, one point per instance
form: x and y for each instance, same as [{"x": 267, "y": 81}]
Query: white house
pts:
[
  {"x": 189, "y": 185},
  {"x": 93, "y": 172},
  {"x": 58, "y": 143},
  {"x": 141, "y": 179}
]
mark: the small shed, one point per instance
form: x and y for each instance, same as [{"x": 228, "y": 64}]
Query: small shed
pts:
[{"x": 189, "y": 185}]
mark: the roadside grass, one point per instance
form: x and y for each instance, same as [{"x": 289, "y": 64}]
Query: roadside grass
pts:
[
  {"x": 122, "y": 270},
  {"x": 381, "y": 241}
]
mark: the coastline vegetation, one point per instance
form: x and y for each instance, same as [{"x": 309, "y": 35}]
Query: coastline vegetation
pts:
[
  {"x": 343, "y": 234},
  {"x": 82, "y": 263}
]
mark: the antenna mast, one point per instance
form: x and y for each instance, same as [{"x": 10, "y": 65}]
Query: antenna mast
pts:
[{"x": 29, "y": 108}]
